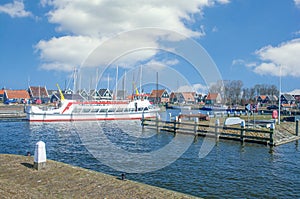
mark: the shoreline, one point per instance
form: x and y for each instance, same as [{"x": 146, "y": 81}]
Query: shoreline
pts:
[{"x": 18, "y": 179}]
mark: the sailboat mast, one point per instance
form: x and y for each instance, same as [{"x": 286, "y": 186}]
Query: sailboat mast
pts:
[
  {"x": 117, "y": 81},
  {"x": 141, "y": 73}
]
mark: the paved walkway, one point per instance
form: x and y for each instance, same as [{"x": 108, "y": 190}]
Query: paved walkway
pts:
[{"x": 18, "y": 179}]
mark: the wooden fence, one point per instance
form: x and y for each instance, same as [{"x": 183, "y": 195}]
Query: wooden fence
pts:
[{"x": 217, "y": 131}]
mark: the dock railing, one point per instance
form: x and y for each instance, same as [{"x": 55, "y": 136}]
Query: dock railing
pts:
[{"x": 218, "y": 131}]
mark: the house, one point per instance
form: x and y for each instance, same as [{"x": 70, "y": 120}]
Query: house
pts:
[
  {"x": 213, "y": 98},
  {"x": 159, "y": 96},
  {"x": 94, "y": 95},
  {"x": 16, "y": 96},
  {"x": 105, "y": 94},
  {"x": 296, "y": 95},
  {"x": 189, "y": 97},
  {"x": 287, "y": 99},
  {"x": 176, "y": 97},
  {"x": 263, "y": 99},
  {"x": 38, "y": 92},
  {"x": 267, "y": 99},
  {"x": 2, "y": 95}
]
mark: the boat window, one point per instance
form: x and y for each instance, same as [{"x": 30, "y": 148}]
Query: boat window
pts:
[
  {"x": 119, "y": 110},
  {"x": 86, "y": 110},
  {"x": 111, "y": 110},
  {"x": 126, "y": 110},
  {"x": 76, "y": 110},
  {"x": 95, "y": 111},
  {"x": 140, "y": 109},
  {"x": 146, "y": 109},
  {"x": 103, "y": 110}
]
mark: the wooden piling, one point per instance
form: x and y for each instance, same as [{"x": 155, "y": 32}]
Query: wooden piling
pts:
[
  {"x": 217, "y": 124},
  {"x": 272, "y": 129},
  {"x": 297, "y": 127},
  {"x": 242, "y": 131}
]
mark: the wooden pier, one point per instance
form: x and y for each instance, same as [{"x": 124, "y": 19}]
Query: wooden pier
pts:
[{"x": 271, "y": 137}]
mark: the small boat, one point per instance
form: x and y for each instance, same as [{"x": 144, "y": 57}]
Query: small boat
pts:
[
  {"x": 214, "y": 108},
  {"x": 233, "y": 120}
]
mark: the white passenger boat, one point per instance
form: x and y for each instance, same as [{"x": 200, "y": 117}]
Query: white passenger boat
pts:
[{"x": 72, "y": 110}]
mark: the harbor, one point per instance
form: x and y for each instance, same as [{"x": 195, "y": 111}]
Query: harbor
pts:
[{"x": 229, "y": 170}]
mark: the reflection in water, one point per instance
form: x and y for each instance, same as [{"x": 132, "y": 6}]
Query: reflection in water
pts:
[{"x": 229, "y": 170}]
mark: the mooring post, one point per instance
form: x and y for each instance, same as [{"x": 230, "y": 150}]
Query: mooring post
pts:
[
  {"x": 297, "y": 127},
  {"x": 39, "y": 156},
  {"x": 156, "y": 122},
  {"x": 196, "y": 125},
  {"x": 242, "y": 131},
  {"x": 217, "y": 124},
  {"x": 142, "y": 120},
  {"x": 272, "y": 129},
  {"x": 174, "y": 127}
]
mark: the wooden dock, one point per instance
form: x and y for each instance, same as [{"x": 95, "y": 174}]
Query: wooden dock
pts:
[{"x": 271, "y": 137}]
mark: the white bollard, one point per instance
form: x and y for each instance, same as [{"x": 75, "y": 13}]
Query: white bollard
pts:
[{"x": 39, "y": 155}]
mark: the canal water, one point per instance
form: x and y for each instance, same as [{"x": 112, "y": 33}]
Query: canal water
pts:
[{"x": 229, "y": 170}]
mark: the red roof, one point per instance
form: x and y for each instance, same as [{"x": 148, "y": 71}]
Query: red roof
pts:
[
  {"x": 188, "y": 96},
  {"x": 38, "y": 91},
  {"x": 17, "y": 94},
  {"x": 212, "y": 96},
  {"x": 157, "y": 93}
]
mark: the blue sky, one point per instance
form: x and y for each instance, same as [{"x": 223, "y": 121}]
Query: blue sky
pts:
[{"x": 248, "y": 40}]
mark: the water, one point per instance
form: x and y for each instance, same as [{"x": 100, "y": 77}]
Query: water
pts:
[{"x": 228, "y": 171}]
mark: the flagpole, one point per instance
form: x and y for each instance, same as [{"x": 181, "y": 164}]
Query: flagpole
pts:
[{"x": 279, "y": 99}]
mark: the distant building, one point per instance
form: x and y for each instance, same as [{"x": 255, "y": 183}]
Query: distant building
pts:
[
  {"x": 16, "y": 96},
  {"x": 183, "y": 97},
  {"x": 159, "y": 96},
  {"x": 105, "y": 94},
  {"x": 213, "y": 98},
  {"x": 267, "y": 99},
  {"x": 2, "y": 95},
  {"x": 287, "y": 99},
  {"x": 39, "y": 93}
]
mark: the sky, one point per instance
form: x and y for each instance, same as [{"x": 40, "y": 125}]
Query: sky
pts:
[{"x": 188, "y": 44}]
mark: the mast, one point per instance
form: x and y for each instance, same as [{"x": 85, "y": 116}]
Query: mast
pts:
[
  {"x": 74, "y": 80},
  {"x": 108, "y": 82},
  {"x": 141, "y": 73},
  {"x": 117, "y": 82},
  {"x": 124, "y": 90}
]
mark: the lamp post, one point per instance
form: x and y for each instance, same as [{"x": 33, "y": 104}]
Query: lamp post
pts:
[{"x": 279, "y": 99}]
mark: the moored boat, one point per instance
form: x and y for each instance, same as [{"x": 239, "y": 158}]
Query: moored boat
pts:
[{"x": 72, "y": 110}]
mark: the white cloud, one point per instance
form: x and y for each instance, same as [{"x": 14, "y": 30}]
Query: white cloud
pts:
[
  {"x": 281, "y": 60},
  {"x": 15, "y": 9},
  {"x": 97, "y": 20},
  {"x": 297, "y": 2},
  {"x": 65, "y": 53},
  {"x": 199, "y": 88}
]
